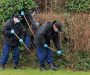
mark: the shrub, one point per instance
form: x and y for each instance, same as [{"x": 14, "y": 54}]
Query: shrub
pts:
[
  {"x": 78, "y": 5},
  {"x": 9, "y": 7}
]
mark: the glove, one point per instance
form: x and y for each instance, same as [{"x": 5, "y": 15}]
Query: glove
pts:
[
  {"x": 37, "y": 24},
  {"x": 22, "y": 13},
  {"x": 59, "y": 52},
  {"x": 45, "y": 45},
  {"x": 20, "y": 40},
  {"x": 12, "y": 31}
]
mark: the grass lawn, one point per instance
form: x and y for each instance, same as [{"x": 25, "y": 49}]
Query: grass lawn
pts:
[{"x": 29, "y": 71}]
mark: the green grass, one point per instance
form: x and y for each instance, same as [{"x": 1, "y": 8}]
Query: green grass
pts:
[{"x": 29, "y": 71}]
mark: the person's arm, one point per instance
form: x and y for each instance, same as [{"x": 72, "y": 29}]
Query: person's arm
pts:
[
  {"x": 56, "y": 41},
  {"x": 6, "y": 30}
]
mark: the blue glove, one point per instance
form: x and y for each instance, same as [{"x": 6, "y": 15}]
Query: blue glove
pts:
[
  {"x": 45, "y": 45},
  {"x": 59, "y": 52},
  {"x": 22, "y": 13},
  {"x": 20, "y": 40},
  {"x": 12, "y": 31},
  {"x": 37, "y": 24}
]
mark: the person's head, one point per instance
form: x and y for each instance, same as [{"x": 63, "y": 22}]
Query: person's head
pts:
[
  {"x": 16, "y": 18},
  {"x": 34, "y": 12},
  {"x": 57, "y": 26}
]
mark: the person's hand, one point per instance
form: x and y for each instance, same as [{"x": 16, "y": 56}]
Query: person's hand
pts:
[
  {"x": 37, "y": 24},
  {"x": 59, "y": 52},
  {"x": 20, "y": 40},
  {"x": 12, "y": 31},
  {"x": 45, "y": 45},
  {"x": 22, "y": 13}
]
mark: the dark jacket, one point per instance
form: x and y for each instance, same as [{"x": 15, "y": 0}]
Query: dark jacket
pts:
[
  {"x": 31, "y": 22},
  {"x": 45, "y": 34},
  {"x": 9, "y": 38}
]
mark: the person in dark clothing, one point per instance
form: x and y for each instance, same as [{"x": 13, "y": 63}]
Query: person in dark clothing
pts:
[
  {"x": 44, "y": 34},
  {"x": 33, "y": 24},
  {"x": 11, "y": 27}
]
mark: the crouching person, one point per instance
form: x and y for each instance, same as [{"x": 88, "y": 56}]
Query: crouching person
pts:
[
  {"x": 44, "y": 34},
  {"x": 12, "y": 27}
]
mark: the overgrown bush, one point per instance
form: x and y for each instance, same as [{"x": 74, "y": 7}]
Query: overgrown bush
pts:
[
  {"x": 64, "y": 5},
  {"x": 10, "y": 7},
  {"x": 78, "y": 5},
  {"x": 76, "y": 42}
]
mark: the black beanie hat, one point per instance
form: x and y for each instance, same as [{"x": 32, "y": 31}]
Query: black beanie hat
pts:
[{"x": 58, "y": 25}]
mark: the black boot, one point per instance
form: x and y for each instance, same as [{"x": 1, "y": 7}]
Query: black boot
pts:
[
  {"x": 53, "y": 67},
  {"x": 16, "y": 66},
  {"x": 42, "y": 68}
]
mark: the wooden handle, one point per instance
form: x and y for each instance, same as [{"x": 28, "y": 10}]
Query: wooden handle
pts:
[
  {"x": 23, "y": 43},
  {"x": 29, "y": 26}
]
